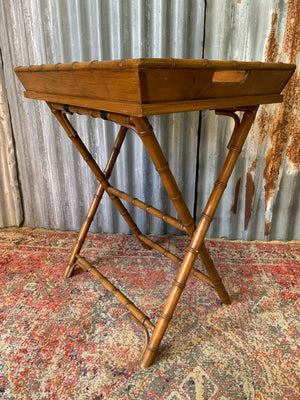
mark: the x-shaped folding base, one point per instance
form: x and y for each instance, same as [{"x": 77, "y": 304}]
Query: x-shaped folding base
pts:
[{"x": 185, "y": 223}]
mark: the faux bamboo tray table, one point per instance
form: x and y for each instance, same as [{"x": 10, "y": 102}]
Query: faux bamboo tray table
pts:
[{"x": 126, "y": 92}]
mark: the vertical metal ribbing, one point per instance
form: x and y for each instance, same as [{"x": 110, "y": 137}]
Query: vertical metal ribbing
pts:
[{"x": 198, "y": 237}]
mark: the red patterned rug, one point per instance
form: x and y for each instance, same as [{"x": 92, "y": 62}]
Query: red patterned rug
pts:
[{"x": 70, "y": 339}]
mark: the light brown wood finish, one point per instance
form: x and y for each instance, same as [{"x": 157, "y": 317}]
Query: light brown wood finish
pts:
[
  {"x": 149, "y": 209},
  {"x": 145, "y": 87},
  {"x": 145, "y": 131},
  {"x": 63, "y": 120},
  {"x": 95, "y": 202},
  {"x": 125, "y": 92},
  {"x": 198, "y": 238},
  {"x": 143, "y": 128},
  {"x": 150, "y": 142}
]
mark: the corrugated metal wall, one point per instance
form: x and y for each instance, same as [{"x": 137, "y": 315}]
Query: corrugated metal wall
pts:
[
  {"x": 262, "y": 198},
  {"x": 56, "y": 185},
  {"x": 11, "y": 205}
]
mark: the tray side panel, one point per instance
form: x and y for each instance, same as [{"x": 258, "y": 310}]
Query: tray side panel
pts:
[
  {"x": 95, "y": 84},
  {"x": 164, "y": 85},
  {"x": 167, "y": 85},
  {"x": 256, "y": 82}
]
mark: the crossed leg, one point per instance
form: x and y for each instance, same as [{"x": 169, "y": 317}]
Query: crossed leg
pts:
[
  {"x": 197, "y": 246},
  {"x": 95, "y": 202},
  {"x": 236, "y": 144},
  {"x": 147, "y": 135}
]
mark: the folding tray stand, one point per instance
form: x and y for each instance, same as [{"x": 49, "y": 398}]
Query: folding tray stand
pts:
[{"x": 126, "y": 92}]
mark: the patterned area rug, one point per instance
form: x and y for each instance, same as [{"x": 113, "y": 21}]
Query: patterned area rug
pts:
[{"x": 70, "y": 339}]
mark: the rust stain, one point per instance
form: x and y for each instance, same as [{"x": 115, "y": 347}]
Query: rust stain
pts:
[
  {"x": 253, "y": 165},
  {"x": 272, "y": 48},
  {"x": 263, "y": 121},
  {"x": 267, "y": 227},
  {"x": 236, "y": 196},
  {"x": 282, "y": 122},
  {"x": 250, "y": 189}
]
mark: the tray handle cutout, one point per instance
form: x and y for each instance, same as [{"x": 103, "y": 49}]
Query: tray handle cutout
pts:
[{"x": 229, "y": 76}]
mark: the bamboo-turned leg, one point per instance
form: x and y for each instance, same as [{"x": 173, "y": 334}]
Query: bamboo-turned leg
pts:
[
  {"x": 169, "y": 182},
  {"x": 96, "y": 201},
  {"x": 65, "y": 123},
  {"x": 146, "y": 133},
  {"x": 203, "y": 253},
  {"x": 214, "y": 275},
  {"x": 198, "y": 237}
]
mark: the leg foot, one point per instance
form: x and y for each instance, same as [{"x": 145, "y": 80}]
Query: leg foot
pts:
[
  {"x": 148, "y": 358},
  {"x": 214, "y": 275},
  {"x": 69, "y": 270}
]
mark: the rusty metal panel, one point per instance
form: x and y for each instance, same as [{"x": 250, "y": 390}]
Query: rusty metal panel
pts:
[
  {"x": 10, "y": 201},
  {"x": 56, "y": 185},
  {"x": 262, "y": 200}
]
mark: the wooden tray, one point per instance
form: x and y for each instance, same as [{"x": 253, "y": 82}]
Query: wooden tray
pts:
[{"x": 150, "y": 86}]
